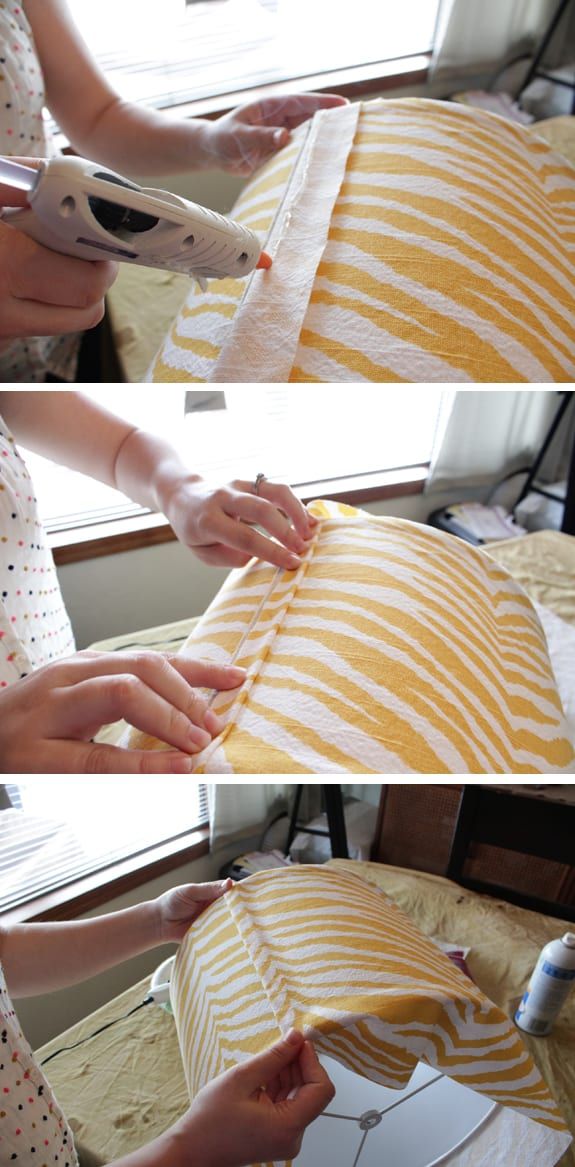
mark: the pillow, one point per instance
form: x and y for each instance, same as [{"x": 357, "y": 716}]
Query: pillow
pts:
[
  {"x": 326, "y": 952},
  {"x": 394, "y": 648},
  {"x": 413, "y": 240}
]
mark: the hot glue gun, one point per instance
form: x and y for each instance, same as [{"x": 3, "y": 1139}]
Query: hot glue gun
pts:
[{"x": 80, "y": 208}]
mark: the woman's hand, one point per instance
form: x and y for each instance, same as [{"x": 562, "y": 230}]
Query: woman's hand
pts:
[
  {"x": 179, "y": 907},
  {"x": 219, "y": 523},
  {"x": 243, "y": 139},
  {"x": 258, "y": 1111},
  {"x": 47, "y": 720},
  {"x": 43, "y": 293}
]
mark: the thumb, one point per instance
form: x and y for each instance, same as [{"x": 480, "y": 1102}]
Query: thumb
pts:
[
  {"x": 263, "y": 1067},
  {"x": 9, "y": 195},
  {"x": 279, "y": 137},
  {"x": 202, "y": 893},
  {"x": 267, "y": 139}
]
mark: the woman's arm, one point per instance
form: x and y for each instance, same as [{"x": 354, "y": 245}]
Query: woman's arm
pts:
[
  {"x": 74, "y": 430},
  {"x": 133, "y": 139},
  {"x": 99, "y": 124},
  {"x": 43, "y": 293},
  {"x": 39, "y": 958}
]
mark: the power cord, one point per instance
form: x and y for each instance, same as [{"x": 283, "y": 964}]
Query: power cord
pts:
[{"x": 155, "y": 997}]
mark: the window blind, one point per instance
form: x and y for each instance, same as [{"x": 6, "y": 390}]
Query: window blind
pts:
[
  {"x": 169, "y": 54},
  {"x": 56, "y": 832}
]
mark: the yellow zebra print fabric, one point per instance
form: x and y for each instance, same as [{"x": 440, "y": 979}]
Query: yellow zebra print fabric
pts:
[
  {"x": 449, "y": 241},
  {"x": 325, "y": 951},
  {"x": 394, "y": 648}
]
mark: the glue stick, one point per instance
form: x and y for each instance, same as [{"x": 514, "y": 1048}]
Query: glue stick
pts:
[{"x": 548, "y": 988}]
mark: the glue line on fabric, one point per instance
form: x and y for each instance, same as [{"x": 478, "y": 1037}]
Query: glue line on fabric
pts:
[
  {"x": 278, "y": 302},
  {"x": 280, "y": 222},
  {"x": 245, "y": 689}
]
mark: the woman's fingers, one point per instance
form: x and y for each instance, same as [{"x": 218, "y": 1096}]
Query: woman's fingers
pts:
[
  {"x": 152, "y": 691},
  {"x": 244, "y": 538},
  {"x": 71, "y": 757},
  {"x": 102, "y": 700},
  {"x": 43, "y": 293},
  {"x": 48, "y": 719},
  {"x": 282, "y": 497},
  {"x": 176, "y": 679},
  {"x": 274, "y": 509}
]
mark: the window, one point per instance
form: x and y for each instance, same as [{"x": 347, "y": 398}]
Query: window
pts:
[
  {"x": 59, "y": 830},
  {"x": 294, "y": 435},
  {"x": 173, "y": 52}
]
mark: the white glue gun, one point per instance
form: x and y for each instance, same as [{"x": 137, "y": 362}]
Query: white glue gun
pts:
[{"x": 80, "y": 208}]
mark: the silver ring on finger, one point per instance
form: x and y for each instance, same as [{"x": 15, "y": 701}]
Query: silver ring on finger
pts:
[{"x": 258, "y": 481}]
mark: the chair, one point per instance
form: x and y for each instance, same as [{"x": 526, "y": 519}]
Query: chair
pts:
[
  {"x": 535, "y": 70},
  {"x": 333, "y": 804},
  {"x": 530, "y": 825}
]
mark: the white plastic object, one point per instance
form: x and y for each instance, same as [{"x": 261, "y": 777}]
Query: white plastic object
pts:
[
  {"x": 367, "y": 1125},
  {"x": 160, "y": 984},
  {"x": 551, "y": 981},
  {"x": 80, "y": 208}
]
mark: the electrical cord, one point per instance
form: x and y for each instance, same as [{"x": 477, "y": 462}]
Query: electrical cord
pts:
[
  {"x": 149, "y": 1000},
  {"x": 501, "y": 481}
]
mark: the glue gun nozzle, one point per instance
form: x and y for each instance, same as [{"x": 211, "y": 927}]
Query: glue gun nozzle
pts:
[{"x": 264, "y": 261}]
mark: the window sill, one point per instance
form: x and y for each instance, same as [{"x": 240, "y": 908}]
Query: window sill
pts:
[
  {"x": 355, "y": 82},
  {"x": 145, "y": 530},
  {"x": 92, "y": 891}
]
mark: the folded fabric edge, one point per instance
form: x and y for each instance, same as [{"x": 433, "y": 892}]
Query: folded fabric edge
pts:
[{"x": 278, "y": 302}]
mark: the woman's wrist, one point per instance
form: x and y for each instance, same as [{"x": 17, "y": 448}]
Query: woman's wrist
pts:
[
  {"x": 170, "y": 1149},
  {"x": 151, "y": 923},
  {"x": 150, "y": 471},
  {"x": 172, "y": 480}
]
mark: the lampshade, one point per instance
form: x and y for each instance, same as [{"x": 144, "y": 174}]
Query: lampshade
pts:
[{"x": 325, "y": 951}]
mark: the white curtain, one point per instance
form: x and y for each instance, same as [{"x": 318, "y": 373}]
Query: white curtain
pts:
[
  {"x": 240, "y": 810},
  {"x": 475, "y": 34},
  {"x": 486, "y": 434}
]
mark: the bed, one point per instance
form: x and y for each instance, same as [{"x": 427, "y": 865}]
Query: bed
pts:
[
  {"x": 126, "y": 1085},
  {"x": 405, "y": 249}
]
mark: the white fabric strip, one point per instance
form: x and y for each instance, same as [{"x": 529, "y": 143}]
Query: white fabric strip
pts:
[{"x": 263, "y": 338}]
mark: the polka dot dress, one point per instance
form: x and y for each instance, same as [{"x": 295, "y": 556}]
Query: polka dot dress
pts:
[
  {"x": 34, "y": 626},
  {"x": 33, "y": 1130},
  {"x": 23, "y": 131}
]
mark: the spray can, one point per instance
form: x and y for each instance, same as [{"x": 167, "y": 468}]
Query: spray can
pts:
[{"x": 548, "y": 988}]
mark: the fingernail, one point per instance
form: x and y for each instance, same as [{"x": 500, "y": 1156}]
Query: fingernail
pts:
[
  {"x": 181, "y": 765},
  {"x": 213, "y": 723},
  {"x": 293, "y": 1036},
  {"x": 199, "y": 737},
  {"x": 235, "y": 673},
  {"x": 293, "y": 561}
]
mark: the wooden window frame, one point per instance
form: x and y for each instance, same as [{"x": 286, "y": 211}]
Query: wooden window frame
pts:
[
  {"x": 132, "y": 533},
  {"x": 92, "y": 891}
]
